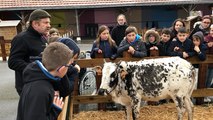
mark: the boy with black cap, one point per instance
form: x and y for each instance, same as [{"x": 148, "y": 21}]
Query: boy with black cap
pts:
[{"x": 73, "y": 71}]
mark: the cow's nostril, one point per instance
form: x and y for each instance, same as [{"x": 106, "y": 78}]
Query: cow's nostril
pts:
[{"x": 101, "y": 91}]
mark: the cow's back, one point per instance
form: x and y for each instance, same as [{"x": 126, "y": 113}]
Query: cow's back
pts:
[{"x": 158, "y": 78}]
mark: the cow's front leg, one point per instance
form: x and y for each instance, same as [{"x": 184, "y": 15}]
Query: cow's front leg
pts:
[
  {"x": 135, "y": 108},
  {"x": 128, "y": 112}
]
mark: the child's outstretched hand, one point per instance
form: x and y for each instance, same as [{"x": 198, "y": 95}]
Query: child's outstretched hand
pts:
[{"x": 58, "y": 102}]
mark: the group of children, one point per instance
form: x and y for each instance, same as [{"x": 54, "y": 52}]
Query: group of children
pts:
[{"x": 135, "y": 45}]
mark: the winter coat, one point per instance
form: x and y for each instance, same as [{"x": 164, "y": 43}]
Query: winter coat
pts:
[
  {"x": 137, "y": 44},
  {"x": 163, "y": 48},
  {"x": 197, "y": 28},
  {"x": 207, "y": 39},
  {"x": 107, "y": 50},
  {"x": 202, "y": 54},
  {"x": 26, "y": 44},
  {"x": 118, "y": 33},
  {"x": 183, "y": 46},
  {"x": 36, "y": 100},
  {"x": 148, "y": 44}
]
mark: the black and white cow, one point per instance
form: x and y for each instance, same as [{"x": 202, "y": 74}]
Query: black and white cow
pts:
[{"x": 151, "y": 79}]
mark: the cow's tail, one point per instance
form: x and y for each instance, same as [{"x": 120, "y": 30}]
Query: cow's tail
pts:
[{"x": 194, "y": 80}]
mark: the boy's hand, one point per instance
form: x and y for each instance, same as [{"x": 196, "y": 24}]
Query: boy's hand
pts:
[
  {"x": 57, "y": 94},
  {"x": 77, "y": 67},
  {"x": 99, "y": 51},
  {"x": 176, "y": 48},
  {"x": 131, "y": 50},
  {"x": 185, "y": 55},
  {"x": 197, "y": 49},
  {"x": 58, "y": 102}
]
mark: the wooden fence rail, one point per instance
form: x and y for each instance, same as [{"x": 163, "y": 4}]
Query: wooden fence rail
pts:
[{"x": 199, "y": 93}]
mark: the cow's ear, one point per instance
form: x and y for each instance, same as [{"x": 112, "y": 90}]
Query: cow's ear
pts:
[{"x": 118, "y": 63}]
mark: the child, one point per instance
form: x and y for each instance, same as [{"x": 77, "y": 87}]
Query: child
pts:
[
  {"x": 75, "y": 68},
  {"x": 177, "y": 24},
  {"x": 104, "y": 46},
  {"x": 132, "y": 43},
  {"x": 181, "y": 45},
  {"x": 203, "y": 26},
  {"x": 53, "y": 32},
  {"x": 198, "y": 46},
  {"x": 118, "y": 32},
  {"x": 37, "y": 101},
  {"x": 209, "y": 43},
  {"x": 152, "y": 39},
  {"x": 165, "y": 42}
]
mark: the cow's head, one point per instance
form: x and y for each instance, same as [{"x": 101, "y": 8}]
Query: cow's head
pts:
[{"x": 111, "y": 74}]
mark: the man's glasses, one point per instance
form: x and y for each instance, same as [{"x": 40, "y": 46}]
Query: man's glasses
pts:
[{"x": 70, "y": 65}]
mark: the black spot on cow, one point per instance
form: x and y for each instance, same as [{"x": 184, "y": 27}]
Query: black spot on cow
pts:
[
  {"x": 150, "y": 77},
  {"x": 176, "y": 66},
  {"x": 114, "y": 80},
  {"x": 170, "y": 65}
]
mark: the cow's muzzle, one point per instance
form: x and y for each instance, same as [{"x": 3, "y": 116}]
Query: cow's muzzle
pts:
[{"x": 101, "y": 91}]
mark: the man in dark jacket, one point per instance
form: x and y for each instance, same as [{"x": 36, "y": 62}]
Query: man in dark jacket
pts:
[
  {"x": 38, "y": 100},
  {"x": 28, "y": 43}
]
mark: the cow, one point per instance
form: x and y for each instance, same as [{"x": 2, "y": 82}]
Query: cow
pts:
[{"x": 150, "y": 79}]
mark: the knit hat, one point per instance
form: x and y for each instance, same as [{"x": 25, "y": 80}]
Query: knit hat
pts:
[
  {"x": 200, "y": 35},
  {"x": 39, "y": 14},
  {"x": 71, "y": 44}
]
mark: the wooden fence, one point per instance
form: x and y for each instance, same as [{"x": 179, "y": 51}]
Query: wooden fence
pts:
[{"x": 199, "y": 93}]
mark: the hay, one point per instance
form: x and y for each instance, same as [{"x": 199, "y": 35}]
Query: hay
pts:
[{"x": 161, "y": 112}]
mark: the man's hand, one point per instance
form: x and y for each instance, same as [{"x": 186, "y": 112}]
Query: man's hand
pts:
[{"x": 58, "y": 102}]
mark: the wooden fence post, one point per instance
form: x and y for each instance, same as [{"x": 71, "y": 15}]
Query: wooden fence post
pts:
[
  {"x": 3, "y": 51},
  {"x": 101, "y": 106},
  {"x": 201, "y": 80}
]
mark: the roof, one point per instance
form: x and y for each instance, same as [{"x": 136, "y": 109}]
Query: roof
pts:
[
  {"x": 9, "y": 23},
  {"x": 78, "y": 4}
]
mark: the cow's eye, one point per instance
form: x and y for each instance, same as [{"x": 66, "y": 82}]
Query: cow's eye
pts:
[{"x": 112, "y": 75}]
